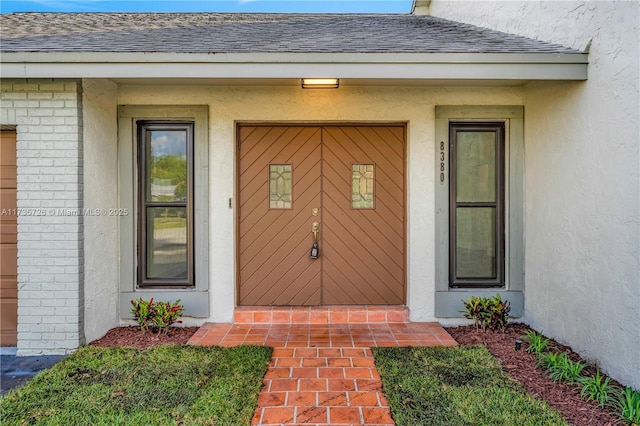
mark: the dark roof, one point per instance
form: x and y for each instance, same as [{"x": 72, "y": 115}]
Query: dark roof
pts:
[{"x": 252, "y": 33}]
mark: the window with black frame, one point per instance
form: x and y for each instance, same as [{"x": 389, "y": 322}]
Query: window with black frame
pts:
[
  {"x": 165, "y": 204},
  {"x": 476, "y": 205}
]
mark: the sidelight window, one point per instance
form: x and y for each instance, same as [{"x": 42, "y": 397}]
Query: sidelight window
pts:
[
  {"x": 165, "y": 204},
  {"x": 476, "y": 205}
]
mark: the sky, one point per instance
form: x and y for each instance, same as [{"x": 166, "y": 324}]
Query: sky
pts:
[{"x": 316, "y": 6}]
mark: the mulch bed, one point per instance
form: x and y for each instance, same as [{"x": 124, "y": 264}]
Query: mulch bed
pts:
[
  {"x": 132, "y": 336},
  {"x": 522, "y": 367}
]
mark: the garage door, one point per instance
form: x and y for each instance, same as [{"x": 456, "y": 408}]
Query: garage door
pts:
[
  {"x": 345, "y": 182},
  {"x": 8, "y": 241}
]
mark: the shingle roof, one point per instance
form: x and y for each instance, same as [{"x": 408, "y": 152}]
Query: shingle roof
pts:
[{"x": 253, "y": 33}]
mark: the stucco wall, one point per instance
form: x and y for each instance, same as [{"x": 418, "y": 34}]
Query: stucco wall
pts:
[
  {"x": 101, "y": 181},
  {"x": 415, "y": 105},
  {"x": 582, "y": 182}
]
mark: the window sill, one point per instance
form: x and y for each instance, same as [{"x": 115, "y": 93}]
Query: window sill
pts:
[{"x": 450, "y": 303}]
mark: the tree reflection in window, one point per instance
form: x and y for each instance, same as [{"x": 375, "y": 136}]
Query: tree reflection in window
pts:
[{"x": 168, "y": 165}]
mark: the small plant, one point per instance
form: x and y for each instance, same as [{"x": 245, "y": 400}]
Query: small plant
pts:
[
  {"x": 629, "y": 404},
  {"x": 536, "y": 342},
  {"x": 549, "y": 359},
  {"x": 487, "y": 312},
  {"x": 167, "y": 314},
  {"x": 475, "y": 309},
  {"x": 572, "y": 371},
  {"x": 597, "y": 388},
  {"x": 560, "y": 367},
  {"x": 158, "y": 315},
  {"x": 142, "y": 312}
]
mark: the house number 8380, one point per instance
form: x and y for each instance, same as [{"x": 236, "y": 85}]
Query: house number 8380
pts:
[{"x": 441, "y": 163}]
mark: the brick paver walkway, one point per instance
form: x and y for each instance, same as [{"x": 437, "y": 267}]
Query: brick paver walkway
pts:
[
  {"x": 322, "y": 385},
  {"x": 322, "y": 372}
]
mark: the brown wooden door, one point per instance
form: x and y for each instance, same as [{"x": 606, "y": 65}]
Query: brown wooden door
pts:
[
  {"x": 8, "y": 241},
  {"x": 361, "y": 247},
  {"x": 274, "y": 243}
]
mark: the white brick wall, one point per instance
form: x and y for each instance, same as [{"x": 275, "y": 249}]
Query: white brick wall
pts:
[{"x": 48, "y": 116}]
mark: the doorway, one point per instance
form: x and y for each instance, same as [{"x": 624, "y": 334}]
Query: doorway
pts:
[{"x": 348, "y": 183}]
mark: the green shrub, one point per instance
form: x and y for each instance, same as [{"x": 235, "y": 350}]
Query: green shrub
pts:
[
  {"x": 156, "y": 315},
  {"x": 536, "y": 342},
  {"x": 142, "y": 312},
  {"x": 487, "y": 312},
  {"x": 597, "y": 388}
]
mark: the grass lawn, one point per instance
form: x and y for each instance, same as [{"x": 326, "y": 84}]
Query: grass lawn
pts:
[
  {"x": 167, "y": 385},
  {"x": 451, "y": 386}
]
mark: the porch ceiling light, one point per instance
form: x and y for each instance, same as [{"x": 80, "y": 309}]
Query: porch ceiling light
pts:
[{"x": 320, "y": 83}]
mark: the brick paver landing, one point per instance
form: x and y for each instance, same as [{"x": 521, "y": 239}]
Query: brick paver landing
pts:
[
  {"x": 322, "y": 373},
  {"x": 323, "y": 335}
]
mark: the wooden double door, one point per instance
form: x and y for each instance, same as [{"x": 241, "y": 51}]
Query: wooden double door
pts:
[{"x": 347, "y": 183}]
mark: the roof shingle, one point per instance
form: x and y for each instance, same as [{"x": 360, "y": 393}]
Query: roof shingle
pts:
[{"x": 255, "y": 33}]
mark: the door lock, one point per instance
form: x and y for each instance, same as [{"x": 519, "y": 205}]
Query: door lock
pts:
[{"x": 315, "y": 252}]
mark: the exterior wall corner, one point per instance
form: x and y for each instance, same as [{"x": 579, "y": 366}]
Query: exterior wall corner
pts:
[
  {"x": 48, "y": 117},
  {"x": 101, "y": 195}
]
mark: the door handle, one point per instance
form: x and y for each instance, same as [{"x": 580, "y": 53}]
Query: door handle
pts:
[{"x": 315, "y": 251}]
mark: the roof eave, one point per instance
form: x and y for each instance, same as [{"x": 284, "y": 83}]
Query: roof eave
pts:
[{"x": 400, "y": 66}]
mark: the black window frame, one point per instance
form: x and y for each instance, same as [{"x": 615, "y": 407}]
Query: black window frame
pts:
[
  {"x": 144, "y": 126},
  {"x": 499, "y": 204}
]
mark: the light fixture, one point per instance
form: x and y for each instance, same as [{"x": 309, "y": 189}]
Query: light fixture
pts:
[{"x": 320, "y": 83}]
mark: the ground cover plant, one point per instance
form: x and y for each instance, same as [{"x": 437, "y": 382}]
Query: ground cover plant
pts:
[
  {"x": 166, "y": 385},
  {"x": 455, "y": 386},
  {"x": 597, "y": 388},
  {"x": 536, "y": 342},
  {"x": 625, "y": 402},
  {"x": 561, "y": 368},
  {"x": 628, "y": 402}
]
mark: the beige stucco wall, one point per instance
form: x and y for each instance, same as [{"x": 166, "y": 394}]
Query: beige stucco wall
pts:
[
  {"x": 582, "y": 143},
  {"x": 582, "y": 182},
  {"x": 415, "y": 105},
  {"x": 101, "y": 192}
]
